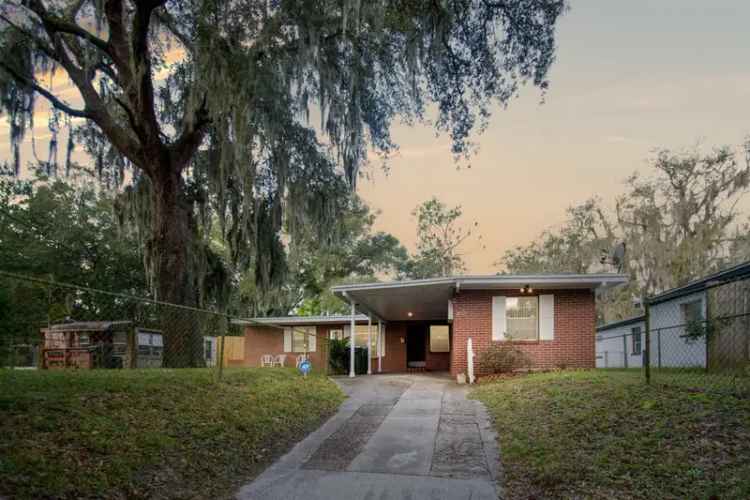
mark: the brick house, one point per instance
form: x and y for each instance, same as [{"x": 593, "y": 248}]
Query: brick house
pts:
[{"x": 426, "y": 324}]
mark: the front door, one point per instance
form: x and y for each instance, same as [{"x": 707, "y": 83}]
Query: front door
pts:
[{"x": 416, "y": 341}]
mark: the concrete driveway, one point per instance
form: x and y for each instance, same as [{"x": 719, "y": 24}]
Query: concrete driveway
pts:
[{"x": 395, "y": 437}]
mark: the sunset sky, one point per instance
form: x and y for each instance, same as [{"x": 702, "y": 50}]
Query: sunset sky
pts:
[{"x": 629, "y": 77}]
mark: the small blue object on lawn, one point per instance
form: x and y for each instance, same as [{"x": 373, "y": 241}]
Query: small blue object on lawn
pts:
[{"x": 305, "y": 367}]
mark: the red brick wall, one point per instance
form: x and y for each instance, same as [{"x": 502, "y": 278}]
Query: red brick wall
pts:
[
  {"x": 575, "y": 325},
  {"x": 395, "y": 351},
  {"x": 260, "y": 340}
]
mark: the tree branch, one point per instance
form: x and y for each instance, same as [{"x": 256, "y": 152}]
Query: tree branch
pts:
[
  {"x": 166, "y": 18},
  {"x": 40, "y": 43},
  {"x": 120, "y": 51},
  {"x": 191, "y": 137},
  {"x": 143, "y": 99},
  {"x": 59, "y": 25},
  {"x": 57, "y": 103}
]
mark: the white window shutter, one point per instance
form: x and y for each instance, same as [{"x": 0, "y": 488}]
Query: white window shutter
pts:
[
  {"x": 498, "y": 318},
  {"x": 311, "y": 339},
  {"x": 546, "y": 317},
  {"x": 287, "y": 340}
]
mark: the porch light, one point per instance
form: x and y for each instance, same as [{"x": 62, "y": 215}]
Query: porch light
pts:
[
  {"x": 410, "y": 314},
  {"x": 526, "y": 289}
]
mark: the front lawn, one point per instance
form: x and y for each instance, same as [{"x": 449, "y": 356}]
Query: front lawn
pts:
[
  {"x": 150, "y": 433},
  {"x": 605, "y": 434}
]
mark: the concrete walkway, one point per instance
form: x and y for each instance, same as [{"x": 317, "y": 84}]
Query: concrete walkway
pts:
[{"x": 395, "y": 437}]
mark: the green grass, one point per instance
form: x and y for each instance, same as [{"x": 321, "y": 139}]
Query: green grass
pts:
[
  {"x": 150, "y": 433},
  {"x": 605, "y": 434}
]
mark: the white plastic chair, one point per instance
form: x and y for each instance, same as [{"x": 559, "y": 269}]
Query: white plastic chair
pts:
[
  {"x": 266, "y": 360},
  {"x": 279, "y": 360}
]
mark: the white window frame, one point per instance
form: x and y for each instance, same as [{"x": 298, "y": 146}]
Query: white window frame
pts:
[
  {"x": 336, "y": 334},
  {"x": 308, "y": 343},
  {"x": 684, "y": 304},
  {"x": 508, "y": 319},
  {"x": 639, "y": 336}
]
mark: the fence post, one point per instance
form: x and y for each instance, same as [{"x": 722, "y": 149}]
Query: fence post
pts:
[
  {"x": 658, "y": 348},
  {"x": 647, "y": 352},
  {"x": 625, "y": 351},
  {"x": 220, "y": 372}
]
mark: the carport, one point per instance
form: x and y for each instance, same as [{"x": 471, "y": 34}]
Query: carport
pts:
[{"x": 417, "y": 302}]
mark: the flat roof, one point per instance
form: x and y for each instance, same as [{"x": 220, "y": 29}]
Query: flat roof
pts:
[
  {"x": 729, "y": 274},
  {"x": 427, "y": 299},
  {"x": 621, "y": 322},
  {"x": 333, "y": 319},
  {"x": 87, "y": 326}
]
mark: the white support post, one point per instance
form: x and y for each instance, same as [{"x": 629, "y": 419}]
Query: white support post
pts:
[
  {"x": 380, "y": 347},
  {"x": 352, "y": 335},
  {"x": 470, "y": 361},
  {"x": 369, "y": 344}
]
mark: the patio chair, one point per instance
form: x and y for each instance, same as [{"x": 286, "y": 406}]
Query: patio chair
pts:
[
  {"x": 266, "y": 360},
  {"x": 279, "y": 360}
]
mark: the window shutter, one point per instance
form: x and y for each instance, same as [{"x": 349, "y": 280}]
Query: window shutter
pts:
[
  {"x": 311, "y": 339},
  {"x": 546, "y": 317},
  {"x": 287, "y": 340},
  {"x": 498, "y": 318}
]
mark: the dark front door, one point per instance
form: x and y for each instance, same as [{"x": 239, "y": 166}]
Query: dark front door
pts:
[{"x": 416, "y": 338}]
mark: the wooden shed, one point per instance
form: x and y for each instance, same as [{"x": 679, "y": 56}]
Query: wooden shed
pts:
[{"x": 101, "y": 344}]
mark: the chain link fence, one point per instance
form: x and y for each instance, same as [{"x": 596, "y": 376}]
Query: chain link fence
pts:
[
  {"x": 701, "y": 340},
  {"x": 620, "y": 350},
  {"x": 49, "y": 325}
]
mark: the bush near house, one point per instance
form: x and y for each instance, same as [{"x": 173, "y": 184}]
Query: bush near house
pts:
[
  {"x": 605, "y": 434},
  {"x": 505, "y": 357},
  {"x": 154, "y": 433},
  {"x": 338, "y": 358}
]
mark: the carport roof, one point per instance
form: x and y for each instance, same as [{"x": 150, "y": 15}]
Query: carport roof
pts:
[
  {"x": 427, "y": 299},
  {"x": 301, "y": 320}
]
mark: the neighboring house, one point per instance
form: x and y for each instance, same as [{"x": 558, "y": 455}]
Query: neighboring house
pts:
[
  {"x": 427, "y": 323},
  {"x": 670, "y": 313},
  {"x": 620, "y": 344},
  {"x": 677, "y": 317}
]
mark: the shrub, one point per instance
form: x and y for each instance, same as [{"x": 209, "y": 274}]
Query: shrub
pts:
[
  {"x": 504, "y": 357},
  {"x": 338, "y": 358}
]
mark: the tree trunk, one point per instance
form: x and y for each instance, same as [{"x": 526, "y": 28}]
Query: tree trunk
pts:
[{"x": 172, "y": 256}]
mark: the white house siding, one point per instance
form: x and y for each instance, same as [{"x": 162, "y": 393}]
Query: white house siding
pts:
[
  {"x": 669, "y": 347},
  {"x": 613, "y": 352}
]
